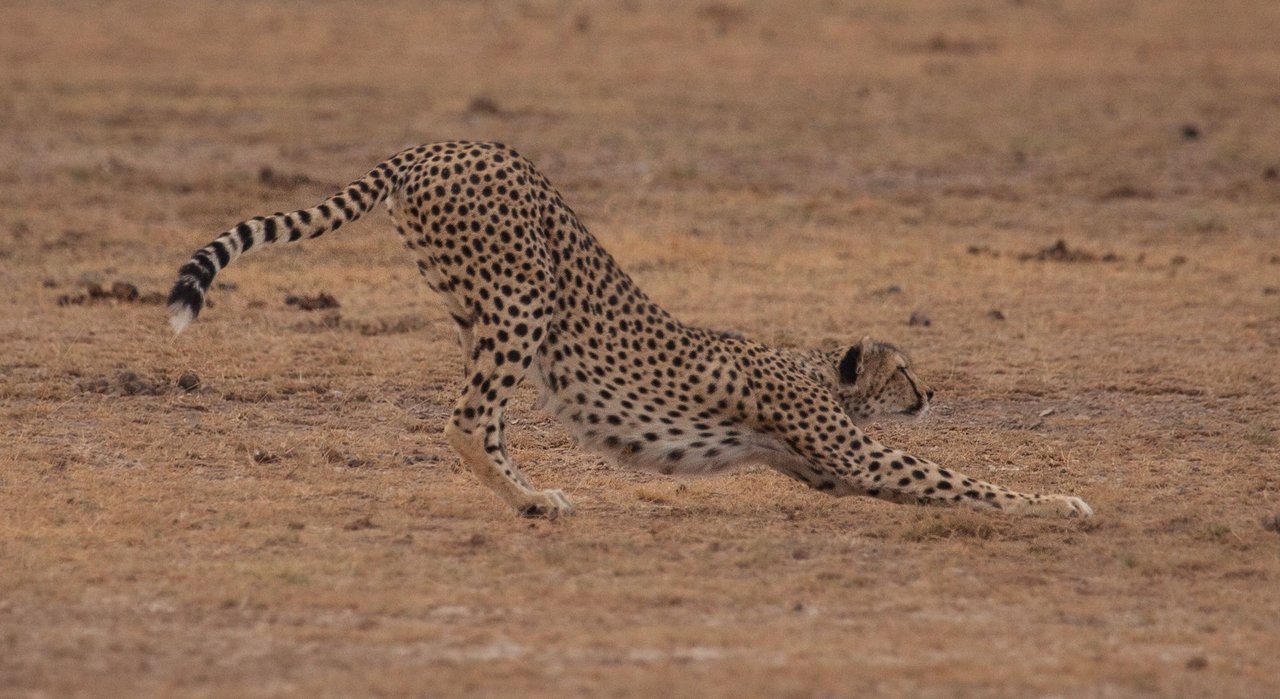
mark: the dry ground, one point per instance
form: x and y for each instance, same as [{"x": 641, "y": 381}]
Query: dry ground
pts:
[{"x": 296, "y": 525}]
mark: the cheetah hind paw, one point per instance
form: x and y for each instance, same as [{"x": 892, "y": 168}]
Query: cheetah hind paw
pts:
[{"x": 547, "y": 503}]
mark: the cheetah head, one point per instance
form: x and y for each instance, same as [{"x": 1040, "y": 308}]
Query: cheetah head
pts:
[{"x": 875, "y": 379}]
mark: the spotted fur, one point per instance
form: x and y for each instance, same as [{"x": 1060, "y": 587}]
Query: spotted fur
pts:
[{"x": 534, "y": 295}]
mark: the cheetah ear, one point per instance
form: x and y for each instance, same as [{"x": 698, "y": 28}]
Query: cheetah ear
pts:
[{"x": 850, "y": 364}]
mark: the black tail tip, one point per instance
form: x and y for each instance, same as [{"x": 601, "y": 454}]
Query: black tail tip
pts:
[{"x": 185, "y": 302}]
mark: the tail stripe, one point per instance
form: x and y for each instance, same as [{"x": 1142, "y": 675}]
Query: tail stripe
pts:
[{"x": 196, "y": 276}]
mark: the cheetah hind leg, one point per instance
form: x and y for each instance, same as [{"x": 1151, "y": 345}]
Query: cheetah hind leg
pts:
[{"x": 476, "y": 431}]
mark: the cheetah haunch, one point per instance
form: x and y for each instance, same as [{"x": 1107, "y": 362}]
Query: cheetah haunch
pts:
[{"x": 534, "y": 295}]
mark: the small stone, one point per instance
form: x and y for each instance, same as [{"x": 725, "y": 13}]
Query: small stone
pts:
[
  {"x": 995, "y": 314},
  {"x": 1190, "y": 132},
  {"x": 264, "y": 457},
  {"x": 360, "y": 523},
  {"x": 1197, "y": 662},
  {"x": 189, "y": 381},
  {"x": 1271, "y": 523},
  {"x": 1178, "y": 260},
  {"x": 920, "y": 319},
  {"x": 1271, "y": 173}
]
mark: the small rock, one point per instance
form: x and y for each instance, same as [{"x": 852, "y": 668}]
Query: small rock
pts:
[
  {"x": 1190, "y": 132},
  {"x": 297, "y": 526},
  {"x": 1197, "y": 662},
  {"x": 1271, "y": 173},
  {"x": 1270, "y": 290},
  {"x": 1271, "y": 522},
  {"x": 995, "y": 314},
  {"x": 891, "y": 290},
  {"x": 189, "y": 381},
  {"x": 264, "y": 457},
  {"x": 920, "y": 319},
  {"x": 1178, "y": 260},
  {"x": 360, "y": 523}
]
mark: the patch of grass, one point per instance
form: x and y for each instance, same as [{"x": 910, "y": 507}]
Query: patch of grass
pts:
[{"x": 950, "y": 526}]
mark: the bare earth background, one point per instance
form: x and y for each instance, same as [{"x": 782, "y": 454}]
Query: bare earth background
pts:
[{"x": 806, "y": 175}]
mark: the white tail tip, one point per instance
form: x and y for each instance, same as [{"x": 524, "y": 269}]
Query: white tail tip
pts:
[{"x": 180, "y": 316}]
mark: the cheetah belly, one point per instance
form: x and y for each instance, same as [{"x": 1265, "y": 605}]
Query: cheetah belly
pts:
[{"x": 660, "y": 446}]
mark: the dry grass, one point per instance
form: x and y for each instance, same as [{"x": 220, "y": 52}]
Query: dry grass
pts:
[{"x": 296, "y": 525}]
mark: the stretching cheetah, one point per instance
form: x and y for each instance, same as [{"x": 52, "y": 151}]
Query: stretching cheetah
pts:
[{"x": 534, "y": 295}]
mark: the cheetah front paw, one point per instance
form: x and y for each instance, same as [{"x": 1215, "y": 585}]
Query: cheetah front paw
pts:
[
  {"x": 547, "y": 503},
  {"x": 1052, "y": 506}
]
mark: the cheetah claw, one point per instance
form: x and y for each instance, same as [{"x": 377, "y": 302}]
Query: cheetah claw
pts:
[{"x": 548, "y": 503}]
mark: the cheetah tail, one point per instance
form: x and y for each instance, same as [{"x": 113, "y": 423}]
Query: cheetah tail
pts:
[{"x": 194, "y": 278}]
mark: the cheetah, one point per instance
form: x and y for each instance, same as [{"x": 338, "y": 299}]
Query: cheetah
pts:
[{"x": 535, "y": 296}]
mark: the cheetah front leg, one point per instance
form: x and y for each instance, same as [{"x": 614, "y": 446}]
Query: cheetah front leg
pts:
[{"x": 837, "y": 458}]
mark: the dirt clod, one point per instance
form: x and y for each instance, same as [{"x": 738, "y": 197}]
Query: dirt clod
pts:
[
  {"x": 189, "y": 381},
  {"x": 484, "y": 105},
  {"x": 1126, "y": 192},
  {"x": 360, "y": 523},
  {"x": 131, "y": 384},
  {"x": 317, "y": 302},
  {"x": 1060, "y": 252},
  {"x": 918, "y": 318},
  {"x": 264, "y": 457},
  {"x": 270, "y": 177},
  {"x": 120, "y": 291},
  {"x": 995, "y": 314}
]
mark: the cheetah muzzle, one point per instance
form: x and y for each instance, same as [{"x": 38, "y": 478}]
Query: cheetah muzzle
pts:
[{"x": 535, "y": 296}]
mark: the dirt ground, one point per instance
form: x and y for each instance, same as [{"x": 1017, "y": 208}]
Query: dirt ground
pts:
[{"x": 295, "y": 524}]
